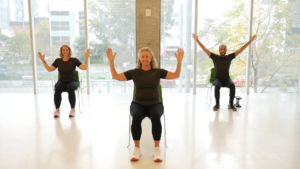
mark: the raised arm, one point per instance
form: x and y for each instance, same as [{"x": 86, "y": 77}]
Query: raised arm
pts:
[
  {"x": 87, "y": 55},
  {"x": 47, "y": 67},
  {"x": 201, "y": 45},
  {"x": 176, "y": 74},
  {"x": 245, "y": 46},
  {"x": 115, "y": 75}
]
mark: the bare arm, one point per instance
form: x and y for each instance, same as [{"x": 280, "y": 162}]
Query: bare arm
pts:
[
  {"x": 87, "y": 55},
  {"x": 201, "y": 45},
  {"x": 47, "y": 67},
  {"x": 245, "y": 46},
  {"x": 176, "y": 74},
  {"x": 115, "y": 75}
]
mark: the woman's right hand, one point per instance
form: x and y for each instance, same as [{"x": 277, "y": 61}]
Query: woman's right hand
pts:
[
  {"x": 110, "y": 55},
  {"x": 42, "y": 57}
]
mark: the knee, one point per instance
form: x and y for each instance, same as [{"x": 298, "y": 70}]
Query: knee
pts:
[
  {"x": 217, "y": 86},
  {"x": 71, "y": 89},
  {"x": 58, "y": 90},
  {"x": 155, "y": 117},
  {"x": 232, "y": 86}
]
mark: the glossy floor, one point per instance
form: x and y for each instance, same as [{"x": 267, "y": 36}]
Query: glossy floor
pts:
[{"x": 263, "y": 134}]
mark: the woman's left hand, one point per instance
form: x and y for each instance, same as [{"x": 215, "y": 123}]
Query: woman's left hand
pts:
[
  {"x": 87, "y": 53},
  {"x": 179, "y": 54}
]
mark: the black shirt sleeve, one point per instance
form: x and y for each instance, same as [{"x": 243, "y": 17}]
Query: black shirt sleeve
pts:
[
  {"x": 231, "y": 56},
  {"x": 162, "y": 73},
  {"x": 55, "y": 63},
  {"x": 129, "y": 74},
  {"x": 213, "y": 56},
  {"x": 77, "y": 62}
]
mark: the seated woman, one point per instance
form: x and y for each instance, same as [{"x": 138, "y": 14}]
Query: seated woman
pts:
[
  {"x": 66, "y": 67},
  {"x": 146, "y": 103}
]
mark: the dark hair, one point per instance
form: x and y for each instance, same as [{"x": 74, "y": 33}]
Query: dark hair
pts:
[{"x": 221, "y": 46}]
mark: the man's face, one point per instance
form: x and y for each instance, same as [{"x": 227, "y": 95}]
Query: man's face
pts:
[{"x": 223, "y": 50}]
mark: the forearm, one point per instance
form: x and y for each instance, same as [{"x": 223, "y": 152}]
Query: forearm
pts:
[
  {"x": 112, "y": 69},
  {"x": 47, "y": 67},
  {"x": 245, "y": 46},
  {"x": 178, "y": 69},
  {"x": 201, "y": 45},
  {"x": 86, "y": 65}
]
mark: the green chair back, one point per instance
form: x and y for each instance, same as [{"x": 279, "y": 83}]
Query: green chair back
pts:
[
  {"x": 160, "y": 93},
  {"x": 212, "y": 76}
]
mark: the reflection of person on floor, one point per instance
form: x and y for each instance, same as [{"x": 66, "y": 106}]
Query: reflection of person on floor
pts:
[
  {"x": 146, "y": 102},
  {"x": 222, "y": 65},
  {"x": 66, "y": 67},
  {"x": 71, "y": 140},
  {"x": 219, "y": 130}
]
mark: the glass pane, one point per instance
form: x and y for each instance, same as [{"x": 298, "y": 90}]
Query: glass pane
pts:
[
  {"x": 177, "y": 25},
  {"x": 111, "y": 24},
  {"x": 227, "y": 25},
  {"x": 275, "y": 55},
  {"x": 15, "y": 50},
  {"x": 57, "y": 23}
]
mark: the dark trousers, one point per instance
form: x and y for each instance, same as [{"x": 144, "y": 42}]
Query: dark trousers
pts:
[
  {"x": 61, "y": 87},
  {"x": 218, "y": 83},
  {"x": 139, "y": 112}
]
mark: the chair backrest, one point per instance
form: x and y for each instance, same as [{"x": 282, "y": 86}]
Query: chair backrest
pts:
[
  {"x": 212, "y": 76},
  {"x": 159, "y": 89}
]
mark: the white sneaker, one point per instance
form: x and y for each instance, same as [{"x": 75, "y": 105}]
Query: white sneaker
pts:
[
  {"x": 157, "y": 157},
  {"x": 136, "y": 154}
]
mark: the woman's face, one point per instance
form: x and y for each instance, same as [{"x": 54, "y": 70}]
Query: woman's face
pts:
[
  {"x": 65, "y": 51},
  {"x": 145, "y": 58}
]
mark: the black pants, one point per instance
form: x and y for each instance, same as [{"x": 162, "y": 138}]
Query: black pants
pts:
[
  {"x": 218, "y": 83},
  {"x": 139, "y": 112},
  {"x": 62, "y": 86}
]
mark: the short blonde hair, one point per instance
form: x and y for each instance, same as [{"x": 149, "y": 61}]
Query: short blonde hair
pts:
[
  {"x": 153, "y": 62},
  {"x": 60, "y": 51}
]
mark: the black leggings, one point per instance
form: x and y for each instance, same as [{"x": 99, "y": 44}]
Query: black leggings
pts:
[
  {"x": 139, "y": 112},
  {"x": 218, "y": 83},
  {"x": 61, "y": 87}
]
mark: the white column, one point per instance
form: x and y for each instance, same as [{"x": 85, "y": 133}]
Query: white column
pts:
[
  {"x": 195, "y": 46},
  {"x": 248, "y": 72},
  {"x": 86, "y": 47},
  {"x": 33, "y": 51}
]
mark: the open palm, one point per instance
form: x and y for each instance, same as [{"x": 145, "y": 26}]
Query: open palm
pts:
[
  {"x": 110, "y": 55},
  {"x": 179, "y": 54},
  {"x": 42, "y": 57}
]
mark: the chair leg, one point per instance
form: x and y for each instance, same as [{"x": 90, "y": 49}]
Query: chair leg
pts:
[
  {"x": 129, "y": 131},
  {"x": 165, "y": 130},
  {"x": 79, "y": 101}
]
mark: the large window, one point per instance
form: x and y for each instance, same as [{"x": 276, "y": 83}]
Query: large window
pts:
[
  {"x": 15, "y": 49},
  {"x": 275, "y": 55},
  {"x": 225, "y": 23},
  {"x": 111, "y": 25},
  {"x": 177, "y": 24},
  {"x": 57, "y": 23}
]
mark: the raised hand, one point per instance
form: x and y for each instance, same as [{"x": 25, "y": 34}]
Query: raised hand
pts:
[
  {"x": 110, "y": 55},
  {"x": 179, "y": 54},
  {"x": 42, "y": 57},
  {"x": 195, "y": 37},
  {"x": 87, "y": 53},
  {"x": 252, "y": 38}
]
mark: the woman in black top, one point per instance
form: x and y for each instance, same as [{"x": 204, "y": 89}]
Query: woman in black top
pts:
[
  {"x": 66, "y": 67},
  {"x": 146, "y": 102}
]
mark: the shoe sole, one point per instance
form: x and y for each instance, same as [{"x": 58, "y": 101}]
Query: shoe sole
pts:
[
  {"x": 158, "y": 160},
  {"x": 134, "y": 159}
]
